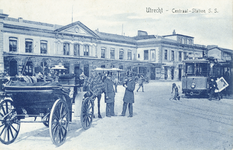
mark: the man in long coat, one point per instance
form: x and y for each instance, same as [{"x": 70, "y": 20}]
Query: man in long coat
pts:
[
  {"x": 129, "y": 96},
  {"x": 109, "y": 96}
]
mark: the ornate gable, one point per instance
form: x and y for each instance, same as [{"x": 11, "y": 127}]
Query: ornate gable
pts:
[{"x": 77, "y": 28}]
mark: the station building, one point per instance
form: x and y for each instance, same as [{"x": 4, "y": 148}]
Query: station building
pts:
[{"x": 30, "y": 46}]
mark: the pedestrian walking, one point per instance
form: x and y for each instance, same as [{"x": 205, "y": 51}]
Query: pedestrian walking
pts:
[
  {"x": 212, "y": 87},
  {"x": 109, "y": 96},
  {"x": 140, "y": 82},
  {"x": 129, "y": 96},
  {"x": 176, "y": 92}
]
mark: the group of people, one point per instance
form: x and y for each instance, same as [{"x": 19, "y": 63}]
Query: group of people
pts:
[{"x": 107, "y": 84}]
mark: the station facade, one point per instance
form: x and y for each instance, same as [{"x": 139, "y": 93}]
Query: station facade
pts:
[{"x": 29, "y": 47}]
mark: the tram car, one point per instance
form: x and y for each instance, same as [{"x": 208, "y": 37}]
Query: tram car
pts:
[{"x": 197, "y": 74}]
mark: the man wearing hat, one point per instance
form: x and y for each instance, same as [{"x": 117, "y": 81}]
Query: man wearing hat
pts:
[
  {"x": 109, "y": 95},
  {"x": 129, "y": 96}
]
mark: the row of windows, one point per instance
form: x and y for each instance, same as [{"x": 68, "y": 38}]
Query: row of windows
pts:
[
  {"x": 66, "y": 49},
  {"x": 44, "y": 47},
  {"x": 146, "y": 54},
  {"x": 173, "y": 55},
  {"x": 112, "y": 53},
  {"x": 185, "y": 41}
]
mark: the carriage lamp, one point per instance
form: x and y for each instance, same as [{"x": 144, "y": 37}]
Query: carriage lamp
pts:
[{"x": 193, "y": 85}]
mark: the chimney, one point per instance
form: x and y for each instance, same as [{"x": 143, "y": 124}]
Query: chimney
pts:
[
  {"x": 142, "y": 33},
  {"x": 1, "y": 11},
  {"x": 20, "y": 19}
]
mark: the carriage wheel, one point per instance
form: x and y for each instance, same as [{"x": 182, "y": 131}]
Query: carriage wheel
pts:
[
  {"x": 46, "y": 121},
  {"x": 58, "y": 122},
  {"x": 9, "y": 124},
  {"x": 87, "y": 111}
]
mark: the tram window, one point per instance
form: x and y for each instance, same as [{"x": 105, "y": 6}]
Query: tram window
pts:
[
  {"x": 190, "y": 69},
  {"x": 201, "y": 69}
]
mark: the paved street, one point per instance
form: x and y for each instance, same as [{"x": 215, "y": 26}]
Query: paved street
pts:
[{"x": 158, "y": 123}]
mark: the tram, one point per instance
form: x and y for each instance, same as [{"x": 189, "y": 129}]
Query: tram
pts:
[{"x": 197, "y": 73}]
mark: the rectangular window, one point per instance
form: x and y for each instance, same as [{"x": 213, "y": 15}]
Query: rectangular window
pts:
[
  {"x": 185, "y": 55},
  {"x": 180, "y": 56},
  {"x": 121, "y": 54},
  {"x": 43, "y": 47},
  {"x": 112, "y": 53},
  {"x": 146, "y": 55},
  {"x": 28, "y": 45},
  {"x": 66, "y": 49},
  {"x": 86, "y": 50},
  {"x": 172, "y": 56},
  {"x": 129, "y": 55},
  {"x": 152, "y": 54},
  {"x": 13, "y": 44},
  {"x": 165, "y": 54},
  {"x": 103, "y": 52},
  {"x": 76, "y": 50}
]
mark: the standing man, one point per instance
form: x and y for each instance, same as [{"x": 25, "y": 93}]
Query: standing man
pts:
[
  {"x": 140, "y": 82},
  {"x": 109, "y": 96},
  {"x": 78, "y": 72},
  {"x": 129, "y": 96}
]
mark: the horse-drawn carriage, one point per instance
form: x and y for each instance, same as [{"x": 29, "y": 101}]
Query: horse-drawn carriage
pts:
[{"x": 48, "y": 101}]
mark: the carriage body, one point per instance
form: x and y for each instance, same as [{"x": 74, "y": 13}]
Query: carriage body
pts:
[{"x": 48, "y": 101}]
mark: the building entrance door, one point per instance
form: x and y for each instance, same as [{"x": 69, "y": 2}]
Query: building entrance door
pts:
[
  {"x": 13, "y": 68},
  {"x": 152, "y": 73},
  {"x": 180, "y": 74}
]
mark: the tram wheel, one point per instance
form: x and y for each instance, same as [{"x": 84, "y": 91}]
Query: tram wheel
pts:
[
  {"x": 9, "y": 124},
  {"x": 58, "y": 122},
  {"x": 87, "y": 111}
]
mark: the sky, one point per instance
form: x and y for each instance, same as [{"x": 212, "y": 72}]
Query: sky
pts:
[{"x": 127, "y": 17}]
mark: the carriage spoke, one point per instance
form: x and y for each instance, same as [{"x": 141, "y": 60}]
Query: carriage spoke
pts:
[
  {"x": 6, "y": 108},
  {"x": 2, "y": 125},
  {"x": 11, "y": 132},
  {"x": 60, "y": 111},
  {"x": 5, "y": 133},
  {"x": 3, "y": 110},
  {"x": 14, "y": 128},
  {"x": 64, "y": 115},
  {"x": 2, "y": 130}
]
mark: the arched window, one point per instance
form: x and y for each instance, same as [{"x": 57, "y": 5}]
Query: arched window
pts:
[
  {"x": 121, "y": 54},
  {"x": 13, "y": 44},
  {"x": 28, "y": 45},
  {"x": 86, "y": 50},
  {"x": 43, "y": 47},
  {"x": 66, "y": 49},
  {"x": 76, "y": 50}
]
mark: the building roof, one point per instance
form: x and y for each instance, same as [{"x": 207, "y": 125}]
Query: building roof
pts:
[
  {"x": 143, "y": 37},
  {"x": 178, "y": 35},
  {"x": 221, "y": 49},
  {"x": 115, "y": 37}
]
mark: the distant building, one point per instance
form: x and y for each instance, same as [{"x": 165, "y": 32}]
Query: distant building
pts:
[{"x": 29, "y": 47}]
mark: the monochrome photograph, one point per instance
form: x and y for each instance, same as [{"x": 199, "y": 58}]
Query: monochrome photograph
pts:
[{"x": 119, "y": 75}]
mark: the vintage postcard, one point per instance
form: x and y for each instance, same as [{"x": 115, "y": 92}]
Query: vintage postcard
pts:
[{"x": 119, "y": 75}]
